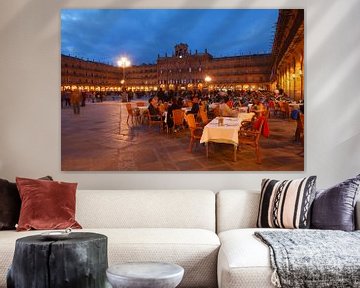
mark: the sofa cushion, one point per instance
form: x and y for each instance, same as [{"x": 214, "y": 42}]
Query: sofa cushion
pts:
[
  {"x": 10, "y": 204},
  {"x": 196, "y": 250},
  {"x": 286, "y": 204},
  {"x": 334, "y": 208},
  {"x": 244, "y": 261},
  {"x": 46, "y": 204},
  {"x": 153, "y": 209}
]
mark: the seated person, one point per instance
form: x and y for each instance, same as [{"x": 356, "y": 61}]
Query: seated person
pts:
[
  {"x": 153, "y": 109},
  {"x": 195, "y": 106},
  {"x": 225, "y": 110},
  {"x": 230, "y": 103},
  {"x": 173, "y": 106}
]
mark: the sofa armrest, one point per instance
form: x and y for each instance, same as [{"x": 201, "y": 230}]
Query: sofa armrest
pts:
[{"x": 357, "y": 215}]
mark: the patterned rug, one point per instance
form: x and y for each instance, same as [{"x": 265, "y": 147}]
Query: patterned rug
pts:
[{"x": 313, "y": 258}]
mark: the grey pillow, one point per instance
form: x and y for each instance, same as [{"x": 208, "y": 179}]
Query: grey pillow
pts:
[{"x": 334, "y": 208}]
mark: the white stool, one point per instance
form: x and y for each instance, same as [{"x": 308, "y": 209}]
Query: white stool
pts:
[{"x": 145, "y": 275}]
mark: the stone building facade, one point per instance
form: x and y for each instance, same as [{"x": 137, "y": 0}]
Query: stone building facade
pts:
[
  {"x": 180, "y": 71},
  {"x": 184, "y": 70},
  {"x": 288, "y": 53},
  {"x": 88, "y": 75}
]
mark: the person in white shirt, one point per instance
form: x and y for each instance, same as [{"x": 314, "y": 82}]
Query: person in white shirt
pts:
[{"x": 225, "y": 110}]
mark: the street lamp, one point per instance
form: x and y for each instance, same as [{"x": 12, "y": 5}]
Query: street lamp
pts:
[
  {"x": 301, "y": 84},
  {"x": 207, "y": 81},
  {"x": 123, "y": 62}
]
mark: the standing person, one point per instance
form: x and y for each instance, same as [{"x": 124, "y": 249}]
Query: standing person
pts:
[
  {"x": 67, "y": 99},
  {"x": 75, "y": 99},
  {"x": 124, "y": 96},
  {"x": 63, "y": 99},
  {"x": 83, "y": 100}
]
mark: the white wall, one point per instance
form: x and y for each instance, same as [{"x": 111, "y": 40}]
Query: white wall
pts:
[{"x": 30, "y": 81}]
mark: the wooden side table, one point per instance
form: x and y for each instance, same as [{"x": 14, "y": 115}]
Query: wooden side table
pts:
[
  {"x": 145, "y": 275},
  {"x": 78, "y": 261}
]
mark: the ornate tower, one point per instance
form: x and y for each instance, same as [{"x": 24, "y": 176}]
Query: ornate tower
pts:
[{"x": 181, "y": 50}]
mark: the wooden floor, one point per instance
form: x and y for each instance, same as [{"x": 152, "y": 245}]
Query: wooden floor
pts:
[{"x": 99, "y": 139}]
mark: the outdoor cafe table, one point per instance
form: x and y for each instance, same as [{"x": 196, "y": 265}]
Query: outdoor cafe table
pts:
[
  {"x": 186, "y": 109},
  {"x": 295, "y": 106},
  {"x": 225, "y": 133}
]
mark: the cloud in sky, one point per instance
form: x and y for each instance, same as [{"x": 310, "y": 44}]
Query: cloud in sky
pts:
[{"x": 106, "y": 34}]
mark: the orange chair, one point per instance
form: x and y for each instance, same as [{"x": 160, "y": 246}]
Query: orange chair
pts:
[
  {"x": 195, "y": 132},
  {"x": 152, "y": 121},
  {"x": 251, "y": 136},
  {"x": 216, "y": 111},
  {"x": 178, "y": 118},
  {"x": 204, "y": 117},
  {"x": 284, "y": 109},
  {"x": 133, "y": 113},
  {"x": 299, "y": 133}
]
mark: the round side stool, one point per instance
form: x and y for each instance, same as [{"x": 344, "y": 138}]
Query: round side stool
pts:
[{"x": 145, "y": 275}]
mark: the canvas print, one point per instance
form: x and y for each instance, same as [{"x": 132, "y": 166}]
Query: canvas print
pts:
[{"x": 182, "y": 90}]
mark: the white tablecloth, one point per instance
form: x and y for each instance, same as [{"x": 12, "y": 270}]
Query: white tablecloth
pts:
[
  {"x": 186, "y": 109},
  {"x": 228, "y": 133},
  {"x": 246, "y": 116},
  {"x": 142, "y": 109}
]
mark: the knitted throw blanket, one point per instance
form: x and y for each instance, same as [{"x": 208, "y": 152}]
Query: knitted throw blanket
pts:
[{"x": 313, "y": 258}]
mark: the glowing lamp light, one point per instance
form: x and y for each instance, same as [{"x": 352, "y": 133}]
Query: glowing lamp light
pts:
[
  {"x": 123, "y": 62},
  {"x": 207, "y": 79}
]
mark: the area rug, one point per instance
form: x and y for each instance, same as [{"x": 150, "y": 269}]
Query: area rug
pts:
[{"x": 313, "y": 258}]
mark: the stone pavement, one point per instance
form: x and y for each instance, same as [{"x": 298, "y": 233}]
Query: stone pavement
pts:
[{"x": 99, "y": 139}]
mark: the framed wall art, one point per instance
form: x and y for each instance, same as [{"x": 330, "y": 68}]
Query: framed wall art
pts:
[{"x": 182, "y": 90}]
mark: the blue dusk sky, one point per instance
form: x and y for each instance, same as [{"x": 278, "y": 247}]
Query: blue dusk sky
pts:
[{"x": 104, "y": 35}]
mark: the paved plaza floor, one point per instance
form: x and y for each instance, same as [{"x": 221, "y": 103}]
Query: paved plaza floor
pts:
[{"x": 99, "y": 139}]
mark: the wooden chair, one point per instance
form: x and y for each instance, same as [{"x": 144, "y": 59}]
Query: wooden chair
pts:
[
  {"x": 299, "y": 133},
  {"x": 277, "y": 109},
  {"x": 195, "y": 132},
  {"x": 215, "y": 112},
  {"x": 284, "y": 109},
  {"x": 178, "y": 118},
  {"x": 133, "y": 114},
  {"x": 271, "y": 107},
  {"x": 152, "y": 121},
  {"x": 251, "y": 136},
  {"x": 204, "y": 117}
]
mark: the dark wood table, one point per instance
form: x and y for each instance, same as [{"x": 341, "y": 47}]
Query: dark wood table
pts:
[{"x": 78, "y": 261}]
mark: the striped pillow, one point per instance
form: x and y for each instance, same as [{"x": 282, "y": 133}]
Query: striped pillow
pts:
[{"x": 286, "y": 204}]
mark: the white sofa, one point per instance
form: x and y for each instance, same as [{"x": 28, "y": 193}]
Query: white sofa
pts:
[
  {"x": 243, "y": 261},
  {"x": 175, "y": 226}
]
